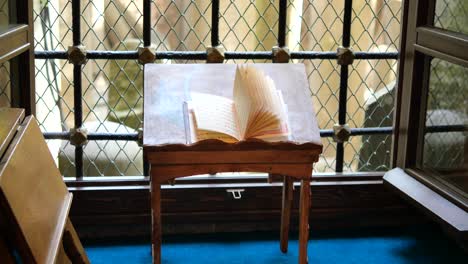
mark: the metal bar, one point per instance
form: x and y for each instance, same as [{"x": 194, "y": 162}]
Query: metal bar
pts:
[
  {"x": 325, "y": 55},
  {"x": 215, "y": 23},
  {"x": 78, "y": 112},
  {"x": 282, "y": 23},
  {"x": 77, "y": 92},
  {"x": 182, "y": 55},
  {"x": 201, "y": 55},
  {"x": 343, "y": 94},
  {"x": 50, "y": 54},
  {"x": 76, "y": 22},
  {"x": 122, "y": 55},
  {"x": 113, "y": 136},
  {"x": 77, "y": 102},
  {"x": 364, "y": 55},
  {"x": 361, "y": 131},
  {"x": 147, "y": 23},
  {"x": 348, "y": 10},
  {"x": 56, "y": 135},
  {"x": 78, "y": 162},
  {"x": 323, "y": 133},
  {"x": 248, "y": 55},
  {"x": 446, "y": 128},
  {"x": 339, "y": 157},
  {"x": 94, "y": 136}
]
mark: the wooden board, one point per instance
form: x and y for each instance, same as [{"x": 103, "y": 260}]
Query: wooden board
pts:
[
  {"x": 10, "y": 119},
  {"x": 35, "y": 192},
  {"x": 428, "y": 200},
  {"x": 167, "y": 87}
]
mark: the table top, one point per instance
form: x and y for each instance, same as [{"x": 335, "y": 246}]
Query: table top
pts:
[{"x": 168, "y": 86}]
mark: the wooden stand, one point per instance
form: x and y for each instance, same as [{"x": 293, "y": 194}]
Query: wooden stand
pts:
[
  {"x": 34, "y": 201},
  {"x": 167, "y": 147}
]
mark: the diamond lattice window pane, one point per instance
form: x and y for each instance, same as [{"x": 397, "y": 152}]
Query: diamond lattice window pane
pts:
[
  {"x": 54, "y": 95},
  {"x": 452, "y": 15},
  {"x": 375, "y": 25},
  {"x": 52, "y": 25},
  {"x": 112, "y": 24},
  {"x": 446, "y": 105},
  {"x": 4, "y": 12},
  {"x": 5, "y": 85},
  {"x": 113, "y": 93},
  {"x": 367, "y": 153},
  {"x": 180, "y": 25},
  {"x": 314, "y": 25},
  {"x": 248, "y": 25}
]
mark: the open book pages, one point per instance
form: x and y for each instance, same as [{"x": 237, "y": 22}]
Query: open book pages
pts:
[{"x": 257, "y": 110}]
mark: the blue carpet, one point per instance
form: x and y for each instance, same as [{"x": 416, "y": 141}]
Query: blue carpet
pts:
[{"x": 396, "y": 246}]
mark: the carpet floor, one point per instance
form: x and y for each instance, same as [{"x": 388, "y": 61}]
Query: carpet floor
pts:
[{"x": 374, "y": 246}]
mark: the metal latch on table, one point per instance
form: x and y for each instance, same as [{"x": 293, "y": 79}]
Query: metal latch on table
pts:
[{"x": 236, "y": 193}]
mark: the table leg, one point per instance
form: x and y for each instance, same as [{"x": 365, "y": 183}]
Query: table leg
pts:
[
  {"x": 286, "y": 212},
  {"x": 156, "y": 219},
  {"x": 304, "y": 206}
]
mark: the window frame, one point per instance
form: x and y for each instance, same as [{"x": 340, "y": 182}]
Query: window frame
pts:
[
  {"x": 104, "y": 203},
  {"x": 202, "y": 55},
  {"x": 18, "y": 48},
  {"x": 420, "y": 43}
]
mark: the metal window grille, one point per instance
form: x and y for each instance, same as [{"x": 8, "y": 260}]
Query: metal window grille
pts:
[{"x": 155, "y": 23}]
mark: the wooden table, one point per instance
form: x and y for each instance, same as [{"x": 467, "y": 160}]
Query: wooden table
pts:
[{"x": 171, "y": 155}]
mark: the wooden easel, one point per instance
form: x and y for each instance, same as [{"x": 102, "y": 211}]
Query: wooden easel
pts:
[{"x": 34, "y": 200}]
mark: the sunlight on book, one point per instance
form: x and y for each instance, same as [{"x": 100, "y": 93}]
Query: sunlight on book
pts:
[{"x": 257, "y": 110}]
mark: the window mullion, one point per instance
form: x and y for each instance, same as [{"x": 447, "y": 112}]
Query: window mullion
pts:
[{"x": 343, "y": 83}]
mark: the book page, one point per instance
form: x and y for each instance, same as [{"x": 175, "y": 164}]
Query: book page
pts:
[
  {"x": 259, "y": 107},
  {"x": 214, "y": 114}
]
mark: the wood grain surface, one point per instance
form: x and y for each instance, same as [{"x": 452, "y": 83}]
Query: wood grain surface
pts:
[
  {"x": 10, "y": 119},
  {"x": 35, "y": 192}
]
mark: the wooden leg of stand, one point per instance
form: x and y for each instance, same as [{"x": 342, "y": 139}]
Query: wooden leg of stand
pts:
[
  {"x": 304, "y": 220},
  {"x": 72, "y": 245},
  {"x": 286, "y": 212},
  {"x": 156, "y": 215}
]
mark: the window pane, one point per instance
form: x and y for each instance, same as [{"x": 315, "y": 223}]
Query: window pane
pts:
[
  {"x": 112, "y": 24},
  {"x": 5, "y": 85},
  {"x": 54, "y": 95},
  {"x": 248, "y": 25},
  {"x": 314, "y": 25},
  {"x": 4, "y": 17},
  {"x": 180, "y": 25},
  {"x": 452, "y": 15},
  {"x": 375, "y": 25},
  {"x": 445, "y": 150},
  {"x": 52, "y": 24}
]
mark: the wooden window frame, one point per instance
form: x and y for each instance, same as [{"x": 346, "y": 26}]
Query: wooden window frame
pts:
[
  {"x": 17, "y": 43},
  {"x": 421, "y": 42},
  {"x": 103, "y": 206}
]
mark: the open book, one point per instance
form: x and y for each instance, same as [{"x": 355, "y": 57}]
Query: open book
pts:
[{"x": 257, "y": 110}]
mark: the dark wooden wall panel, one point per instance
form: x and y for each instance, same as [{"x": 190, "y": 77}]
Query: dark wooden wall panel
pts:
[{"x": 125, "y": 212}]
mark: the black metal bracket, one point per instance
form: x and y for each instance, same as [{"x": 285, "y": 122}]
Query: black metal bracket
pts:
[
  {"x": 215, "y": 54},
  {"x": 345, "y": 56},
  {"x": 341, "y": 133},
  {"x": 77, "y": 55},
  {"x": 146, "y": 55},
  {"x": 281, "y": 54},
  {"x": 78, "y": 137}
]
